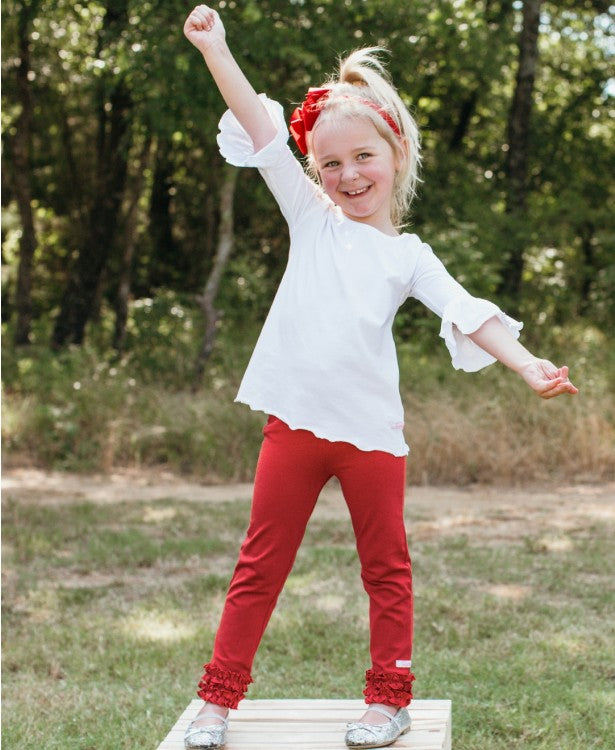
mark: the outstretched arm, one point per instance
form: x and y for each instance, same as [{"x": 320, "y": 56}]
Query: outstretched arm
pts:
[
  {"x": 543, "y": 377},
  {"x": 204, "y": 29}
]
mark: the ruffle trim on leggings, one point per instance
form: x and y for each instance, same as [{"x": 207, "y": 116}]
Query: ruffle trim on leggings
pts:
[
  {"x": 388, "y": 687},
  {"x": 222, "y": 686}
]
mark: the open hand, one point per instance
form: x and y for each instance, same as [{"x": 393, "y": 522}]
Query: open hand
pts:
[
  {"x": 547, "y": 380},
  {"x": 204, "y": 28}
]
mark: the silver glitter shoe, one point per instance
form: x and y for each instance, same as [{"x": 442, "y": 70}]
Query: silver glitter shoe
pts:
[
  {"x": 378, "y": 735},
  {"x": 209, "y": 737}
]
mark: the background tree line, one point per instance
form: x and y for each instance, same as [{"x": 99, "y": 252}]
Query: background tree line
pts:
[{"x": 114, "y": 191}]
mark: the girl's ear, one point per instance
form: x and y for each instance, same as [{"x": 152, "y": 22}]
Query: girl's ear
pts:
[{"x": 402, "y": 153}]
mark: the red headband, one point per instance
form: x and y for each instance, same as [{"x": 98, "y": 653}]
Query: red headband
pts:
[{"x": 304, "y": 117}]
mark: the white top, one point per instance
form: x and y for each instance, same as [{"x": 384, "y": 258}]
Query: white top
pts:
[{"x": 325, "y": 360}]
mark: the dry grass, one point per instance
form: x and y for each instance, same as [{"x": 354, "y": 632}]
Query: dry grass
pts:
[
  {"x": 74, "y": 412},
  {"x": 511, "y": 440}
]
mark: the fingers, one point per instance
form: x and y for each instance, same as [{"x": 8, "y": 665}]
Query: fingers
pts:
[
  {"x": 560, "y": 372},
  {"x": 570, "y": 388},
  {"x": 557, "y": 387},
  {"x": 549, "y": 381},
  {"x": 202, "y": 18},
  {"x": 550, "y": 388},
  {"x": 566, "y": 386}
]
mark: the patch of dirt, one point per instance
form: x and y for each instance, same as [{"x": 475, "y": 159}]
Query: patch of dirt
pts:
[
  {"x": 58, "y": 488},
  {"x": 490, "y": 513},
  {"x": 552, "y": 519}
]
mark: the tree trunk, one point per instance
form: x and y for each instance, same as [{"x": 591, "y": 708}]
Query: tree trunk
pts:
[
  {"x": 588, "y": 274},
  {"x": 21, "y": 147},
  {"x": 164, "y": 263},
  {"x": 130, "y": 243},
  {"x": 226, "y": 241},
  {"x": 518, "y": 151},
  {"x": 99, "y": 236},
  {"x": 493, "y": 17},
  {"x": 114, "y": 119},
  {"x": 78, "y": 207},
  {"x": 466, "y": 111}
]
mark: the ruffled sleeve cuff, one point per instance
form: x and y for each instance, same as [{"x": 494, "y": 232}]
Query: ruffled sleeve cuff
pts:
[
  {"x": 236, "y": 145},
  {"x": 464, "y": 315}
]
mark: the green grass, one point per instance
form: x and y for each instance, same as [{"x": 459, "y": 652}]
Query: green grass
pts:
[{"x": 111, "y": 609}]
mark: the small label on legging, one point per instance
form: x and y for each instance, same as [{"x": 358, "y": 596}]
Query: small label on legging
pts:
[{"x": 403, "y": 663}]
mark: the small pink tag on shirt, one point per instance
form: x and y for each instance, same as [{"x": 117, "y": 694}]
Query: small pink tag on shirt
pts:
[{"x": 403, "y": 664}]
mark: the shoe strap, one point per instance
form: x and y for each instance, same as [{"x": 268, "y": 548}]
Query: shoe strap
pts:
[
  {"x": 379, "y": 710},
  {"x": 211, "y": 715}
]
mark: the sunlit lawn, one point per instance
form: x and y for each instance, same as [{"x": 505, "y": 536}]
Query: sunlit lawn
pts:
[{"x": 110, "y": 611}]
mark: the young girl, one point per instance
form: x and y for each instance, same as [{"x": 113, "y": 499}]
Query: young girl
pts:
[{"x": 325, "y": 370}]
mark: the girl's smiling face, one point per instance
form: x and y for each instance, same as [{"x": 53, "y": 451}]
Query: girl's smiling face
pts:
[{"x": 357, "y": 169}]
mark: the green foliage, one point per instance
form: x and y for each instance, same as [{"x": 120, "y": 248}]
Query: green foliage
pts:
[{"x": 454, "y": 64}]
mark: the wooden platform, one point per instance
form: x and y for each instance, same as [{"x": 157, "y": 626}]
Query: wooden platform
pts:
[{"x": 315, "y": 725}]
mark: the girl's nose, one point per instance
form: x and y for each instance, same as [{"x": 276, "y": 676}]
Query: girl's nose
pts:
[{"x": 349, "y": 173}]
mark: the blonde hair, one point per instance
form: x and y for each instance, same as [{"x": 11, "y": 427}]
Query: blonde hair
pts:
[{"x": 362, "y": 76}]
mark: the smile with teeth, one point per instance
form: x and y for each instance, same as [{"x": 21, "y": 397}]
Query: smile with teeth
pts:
[{"x": 357, "y": 192}]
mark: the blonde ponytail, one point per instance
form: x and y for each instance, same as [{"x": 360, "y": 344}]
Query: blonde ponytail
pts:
[{"x": 362, "y": 76}]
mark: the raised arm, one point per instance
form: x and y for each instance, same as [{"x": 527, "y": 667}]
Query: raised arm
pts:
[
  {"x": 543, "y": 377},
  {"x": 204, "y": 29}
]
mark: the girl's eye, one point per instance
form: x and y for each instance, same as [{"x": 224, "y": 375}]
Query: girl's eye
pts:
[
  {"x": 331, "y": 164},
  {"x": 364, "y": 155}
]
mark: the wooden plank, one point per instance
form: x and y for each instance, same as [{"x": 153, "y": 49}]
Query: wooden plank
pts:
[{"x": 318, "y": 724}]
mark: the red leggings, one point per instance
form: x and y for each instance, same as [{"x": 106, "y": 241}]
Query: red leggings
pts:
[{"x": 293, "y": 467}]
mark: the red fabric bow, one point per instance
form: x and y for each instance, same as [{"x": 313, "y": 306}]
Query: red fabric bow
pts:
[{"x": 303, "y": 118}]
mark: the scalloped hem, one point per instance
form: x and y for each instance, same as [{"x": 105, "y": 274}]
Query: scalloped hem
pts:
[
  {"x": 223, "y": 686},
  {"x": 366, "y": 447},
  {"x": 236, "y": 146},
  {"x": 464, "y": 315},
  {"x": 393, "y": 688}
]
